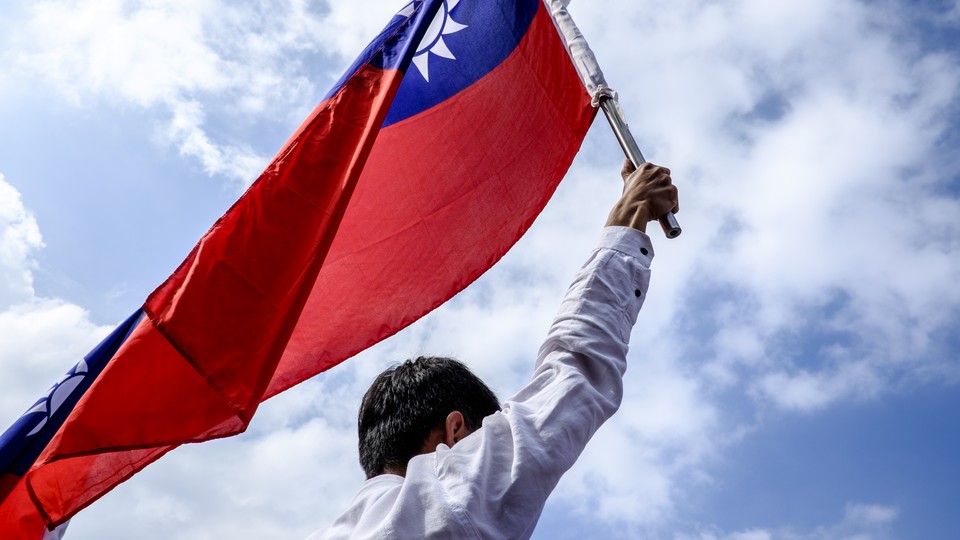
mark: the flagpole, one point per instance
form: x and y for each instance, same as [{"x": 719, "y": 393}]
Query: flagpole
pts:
[
  {"x": 606, "y": 99},
  {"x": 603, "y": 96}
]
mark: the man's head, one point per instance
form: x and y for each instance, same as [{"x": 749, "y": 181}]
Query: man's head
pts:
[{"x": 408, "y": 403}]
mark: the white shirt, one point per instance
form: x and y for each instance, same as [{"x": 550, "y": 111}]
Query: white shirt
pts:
[{"x": 494, "y": 483}]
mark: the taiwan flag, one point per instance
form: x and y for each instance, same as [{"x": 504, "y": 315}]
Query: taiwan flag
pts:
[{"x": 422, "y": 166}]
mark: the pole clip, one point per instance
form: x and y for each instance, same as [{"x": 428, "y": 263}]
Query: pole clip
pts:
[
  {"x": 603, "y": 92},
  {"x": 606, "y": 94}
]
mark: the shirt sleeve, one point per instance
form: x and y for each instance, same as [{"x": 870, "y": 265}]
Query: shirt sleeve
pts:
[{"x": 500, "y": 476}]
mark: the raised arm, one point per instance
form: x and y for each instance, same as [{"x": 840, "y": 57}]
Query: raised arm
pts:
[{"x": 513, "y": 463}]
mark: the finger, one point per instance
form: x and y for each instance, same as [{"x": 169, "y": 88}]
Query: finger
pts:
[
  {"x": 627, "y": 170},
  {"x": 654, "y": 166},
  {"x": 661, "y": 175},
  {"x": 660, "y": 180}
]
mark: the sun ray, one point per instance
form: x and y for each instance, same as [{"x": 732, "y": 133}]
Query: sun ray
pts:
[
  {"x": 422, "y": 63},
  {"x": 440, "y": 49},
  {"x": 433, "y": 43},
  {"x": 452, "y": 26}
]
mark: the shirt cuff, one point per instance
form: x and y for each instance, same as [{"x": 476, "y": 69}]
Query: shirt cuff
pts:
[{"x": 628, "y": 241}]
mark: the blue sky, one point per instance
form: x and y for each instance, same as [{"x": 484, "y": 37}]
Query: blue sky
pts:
[{"x": 795, "y": 370}]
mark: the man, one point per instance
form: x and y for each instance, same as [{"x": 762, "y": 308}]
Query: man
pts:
[{"x": 444, "y": 461}]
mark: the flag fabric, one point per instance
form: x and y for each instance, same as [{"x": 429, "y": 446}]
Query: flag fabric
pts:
[
  {"x": 24, "y": 441},
  {"x": 419, "y": 170}
]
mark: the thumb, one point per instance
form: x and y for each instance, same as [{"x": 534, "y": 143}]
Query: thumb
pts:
[{"x": 627, "y": 170}]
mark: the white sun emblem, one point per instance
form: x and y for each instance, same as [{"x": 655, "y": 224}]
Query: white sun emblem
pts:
[
  {"x": 57, "y": 395},
  {"x": 432, "y": 43}
]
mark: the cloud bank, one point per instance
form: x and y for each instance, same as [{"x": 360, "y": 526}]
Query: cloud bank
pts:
[
  {"x": 204, "y": 67},
  {"x": 42, "y": 337},
  {"x": 860, "y": 522}
]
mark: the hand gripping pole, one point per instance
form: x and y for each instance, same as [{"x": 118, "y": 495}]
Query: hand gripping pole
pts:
[
  {"x": 606, "y": 99},
  {"x": 603, "y": 97}
]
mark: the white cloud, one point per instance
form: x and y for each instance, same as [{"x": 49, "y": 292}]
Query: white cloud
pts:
[
  {"x": 805, "y": 391},
  {"x": 186, "y": 128},
  {"x": 185, "y": 60},
  {"x": 142, "y": 52},
  {"x": 860, "y": 522},
  {"x": 347, "y": 27},
  {"x": 751, "y": 535},
  {"x": 813, "y": 168},
  {"x": 19, "y": 239},
  {"x": 42, "y": 337}
]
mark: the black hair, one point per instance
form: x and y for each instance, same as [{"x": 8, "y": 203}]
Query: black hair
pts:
[{"x": 406, "y": 402}]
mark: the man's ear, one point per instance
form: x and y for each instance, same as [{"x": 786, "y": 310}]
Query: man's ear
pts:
[{"x": 454, "y": 428}]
